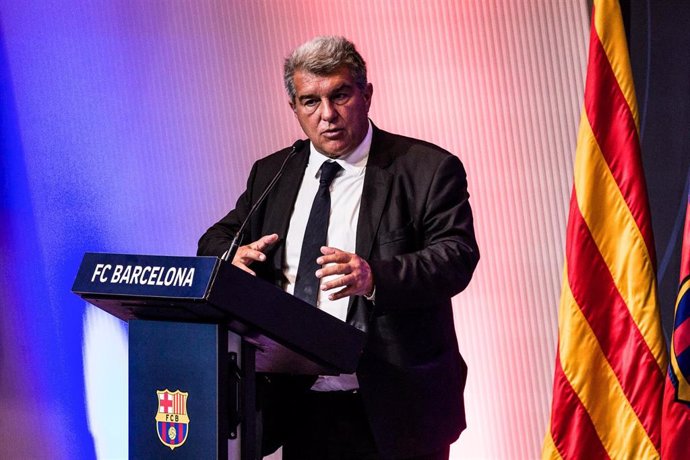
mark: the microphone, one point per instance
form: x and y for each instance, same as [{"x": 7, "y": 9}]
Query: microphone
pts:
[{"x": 236, "y": 241}]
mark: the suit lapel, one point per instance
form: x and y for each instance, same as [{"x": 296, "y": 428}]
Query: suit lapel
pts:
[
  {"x": 377, "y": 182},
  {"x": 377, "y": 185},
  {"x": 282, "y": 201}
]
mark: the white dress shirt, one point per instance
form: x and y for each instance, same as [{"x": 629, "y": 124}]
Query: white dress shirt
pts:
[{"x": 346, "y": 196}]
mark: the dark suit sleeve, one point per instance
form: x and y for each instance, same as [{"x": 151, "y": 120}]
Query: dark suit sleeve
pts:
[
  {"x": 448, "y": 253},
  {"x": 217, "y": 238}
]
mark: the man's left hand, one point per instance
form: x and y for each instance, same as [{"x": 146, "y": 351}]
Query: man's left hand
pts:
[{"x": 356, "y": 278}]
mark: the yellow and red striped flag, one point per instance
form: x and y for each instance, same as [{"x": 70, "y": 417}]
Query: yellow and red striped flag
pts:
[
  {"x": 675, "y": 436},
  {"x": 611, "y": 356}
]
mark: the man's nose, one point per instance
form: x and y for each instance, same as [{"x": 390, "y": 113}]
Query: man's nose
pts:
[{"x": 328, "y": 111}]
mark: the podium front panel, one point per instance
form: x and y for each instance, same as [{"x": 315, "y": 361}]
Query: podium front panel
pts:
[{"x": 177, "y": 374}]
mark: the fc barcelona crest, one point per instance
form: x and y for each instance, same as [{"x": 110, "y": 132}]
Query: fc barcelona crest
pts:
[{"x": 172, "y": 421}]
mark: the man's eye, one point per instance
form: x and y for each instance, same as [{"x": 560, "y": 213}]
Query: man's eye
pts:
[
  {"x": 310, "y": 102},
  {"x": 340, "y": 97}
]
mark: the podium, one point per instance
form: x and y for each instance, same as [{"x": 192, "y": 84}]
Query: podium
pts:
[{"x": 199, "y": 330}]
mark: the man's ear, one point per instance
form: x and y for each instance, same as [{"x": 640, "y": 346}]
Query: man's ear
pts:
[
  {"x": 368, "y": 92},
  {"x": 293, "y": 107}
]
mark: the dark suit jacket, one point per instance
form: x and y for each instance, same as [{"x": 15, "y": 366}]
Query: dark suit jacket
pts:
[{"x": 416, "y": 231}]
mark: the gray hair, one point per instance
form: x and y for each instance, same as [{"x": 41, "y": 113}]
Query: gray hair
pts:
[{"x": 323, "y": 56}]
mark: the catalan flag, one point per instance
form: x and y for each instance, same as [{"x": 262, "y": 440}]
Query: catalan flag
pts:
[
  {"x": 611, "y": 356},
  {"x": 676, "y": 413}
]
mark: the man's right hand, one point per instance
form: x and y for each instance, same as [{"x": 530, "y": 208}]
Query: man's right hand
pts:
[{"x": 251, "y": 252}]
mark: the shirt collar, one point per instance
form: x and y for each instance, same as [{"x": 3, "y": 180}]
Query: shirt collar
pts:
[{"x": 353, "y": 163}]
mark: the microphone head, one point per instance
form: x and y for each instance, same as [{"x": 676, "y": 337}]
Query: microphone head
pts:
[{"x": 299, "y": 143}]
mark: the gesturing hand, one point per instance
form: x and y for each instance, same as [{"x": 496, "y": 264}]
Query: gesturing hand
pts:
[
  {"x": 356, "y": 276},
  {"x": 251, "y": 252}
]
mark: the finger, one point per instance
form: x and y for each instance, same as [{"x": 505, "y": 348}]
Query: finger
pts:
[
  {"x": 254, "y": 255},
  {"x": 247, "y": 256},
  {"x": 334, "y": 269},
  {"x": 338, "y": 257},
  {"x": 340, "y": 294},
  {"x": 326, "y": 250},
  {"x": 244, "y": 267},
  {"x": 264, "y": 242},
  {"x": 345, "y": 280}
]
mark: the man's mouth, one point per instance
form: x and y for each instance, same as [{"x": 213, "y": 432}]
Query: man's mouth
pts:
[{"x": 332, "y": 133}]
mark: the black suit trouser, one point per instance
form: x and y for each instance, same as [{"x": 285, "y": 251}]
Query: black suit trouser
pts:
[{"x": 334, "y": 426}]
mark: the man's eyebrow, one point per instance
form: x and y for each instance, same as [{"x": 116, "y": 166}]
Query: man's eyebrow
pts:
[
  {"x": 341, "y": 87},
  {"x": 304, "y": 97},
  {"x": 344, "y": 86}
]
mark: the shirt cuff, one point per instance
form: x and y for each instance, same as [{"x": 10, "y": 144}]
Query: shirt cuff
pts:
[{"x": 371, "y": 298}]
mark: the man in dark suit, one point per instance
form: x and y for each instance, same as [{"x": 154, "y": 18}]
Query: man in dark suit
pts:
[{"x": 400, "y": 243}]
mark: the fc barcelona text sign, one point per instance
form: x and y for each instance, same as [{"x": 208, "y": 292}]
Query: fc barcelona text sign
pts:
[{"x": 144, "y": 275}]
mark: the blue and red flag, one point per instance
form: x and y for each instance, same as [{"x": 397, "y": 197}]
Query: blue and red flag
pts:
[{"x": 675, "y": 427}]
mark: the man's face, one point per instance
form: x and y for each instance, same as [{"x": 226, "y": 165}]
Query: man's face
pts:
[{"x": 332, "y": 110}]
